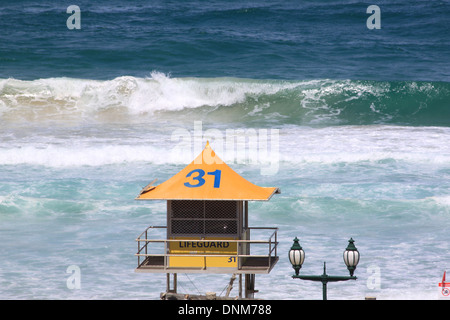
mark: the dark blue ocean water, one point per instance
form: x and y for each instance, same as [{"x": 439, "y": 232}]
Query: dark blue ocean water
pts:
[
  {"x": 356, "y": 121},
  {"x": 248, "y": 39}
]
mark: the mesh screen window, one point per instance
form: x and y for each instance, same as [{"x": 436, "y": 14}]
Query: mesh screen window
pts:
[{"x": 204, "y": 218}]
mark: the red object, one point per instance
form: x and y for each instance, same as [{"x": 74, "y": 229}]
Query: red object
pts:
[
  {"x": 443, "y": 283},
  {"x": 445, "y": 287}
]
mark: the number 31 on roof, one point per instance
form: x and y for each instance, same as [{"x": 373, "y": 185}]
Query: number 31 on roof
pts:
[{"x": 198, "y": 178}]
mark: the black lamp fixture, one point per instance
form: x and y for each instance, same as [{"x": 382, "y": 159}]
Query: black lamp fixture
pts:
[{"x": 351, "y": 259}]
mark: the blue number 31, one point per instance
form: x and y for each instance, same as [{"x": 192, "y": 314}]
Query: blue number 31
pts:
[{"x": 201, "y": 181}]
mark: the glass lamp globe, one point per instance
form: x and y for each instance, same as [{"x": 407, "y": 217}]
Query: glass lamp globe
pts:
[
  {"x": 296, "y": 256},
  {"x": 351, "y": 256}
]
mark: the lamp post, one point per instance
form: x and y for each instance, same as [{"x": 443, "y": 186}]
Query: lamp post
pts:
[{"x": 351, "y": 259}]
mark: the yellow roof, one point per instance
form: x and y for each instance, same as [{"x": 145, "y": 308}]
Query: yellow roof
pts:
[{"x": 207, "y": 178}]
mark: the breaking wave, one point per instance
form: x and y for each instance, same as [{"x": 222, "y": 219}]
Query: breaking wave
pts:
[{"x": 306, "y": 102}]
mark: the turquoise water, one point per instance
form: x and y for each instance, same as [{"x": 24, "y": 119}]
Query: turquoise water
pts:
[{"x": 356, "y": 122}]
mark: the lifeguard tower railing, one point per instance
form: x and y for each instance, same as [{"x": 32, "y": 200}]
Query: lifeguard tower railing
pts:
[{"x": 251, "y": 256}]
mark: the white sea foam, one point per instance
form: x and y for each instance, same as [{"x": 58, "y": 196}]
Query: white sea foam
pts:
[
  {"x": 295, "y": 145},
  {"x": 312, "y": 102},
  {"x": 60, "y": 156},
  {"x": 62, "y": 99},
  {"x": 442, "y": 200},
  {"x": 39, "y": 99}
]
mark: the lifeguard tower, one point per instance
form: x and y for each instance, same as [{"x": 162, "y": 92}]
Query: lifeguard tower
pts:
[{"x": 207, "y": 226}]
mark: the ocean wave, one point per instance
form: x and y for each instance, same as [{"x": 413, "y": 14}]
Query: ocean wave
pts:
[
  {"x": 291, "y": 146},
  {"x": 308, "y": 102}
]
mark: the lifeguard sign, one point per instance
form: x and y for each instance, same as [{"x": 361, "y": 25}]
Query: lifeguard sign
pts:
[{"x": 207, "y": 222}]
